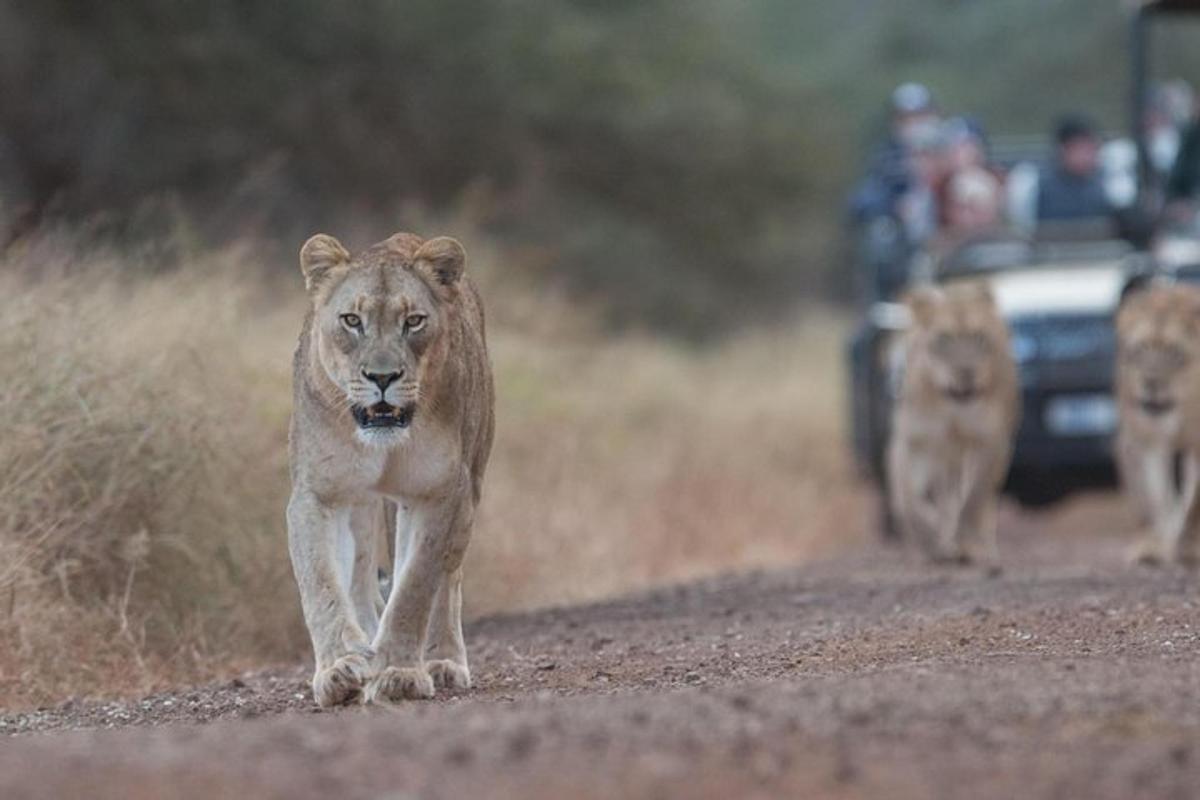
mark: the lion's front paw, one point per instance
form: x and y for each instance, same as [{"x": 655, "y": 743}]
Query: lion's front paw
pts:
[
  {"x": 981, "y": 551},
  {"x": 1148, "y": 552},
  {"x": 342, "y": 683},
  {"x": 948, "y": 555},
  {"x": 448, "y": 674},
  {"x": 400, "y": 683}
]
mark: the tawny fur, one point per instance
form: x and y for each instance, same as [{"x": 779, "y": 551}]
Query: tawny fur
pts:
[
  {"x": 953, "y": 422},
  {"x": 353, "y": 489},
  {"x": 1158, "y": 440}
]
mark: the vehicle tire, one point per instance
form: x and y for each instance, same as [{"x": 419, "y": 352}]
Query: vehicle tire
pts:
[{"x": 1037, "y": 491}]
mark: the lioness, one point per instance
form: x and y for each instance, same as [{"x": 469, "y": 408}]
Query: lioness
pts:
[
  {"x": 1158, "y": 389},
  {"x": 953, "y": 422},
  {"x": 393, "y": 405}
]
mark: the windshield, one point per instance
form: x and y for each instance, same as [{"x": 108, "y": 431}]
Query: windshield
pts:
[{"x": 982, "y": 258}]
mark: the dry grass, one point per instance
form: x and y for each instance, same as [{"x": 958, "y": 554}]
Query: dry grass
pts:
[
  {"x": 143, "y": 466},
  {"x": 630, "y": 462},
  {"x": 141, "y": 471}
]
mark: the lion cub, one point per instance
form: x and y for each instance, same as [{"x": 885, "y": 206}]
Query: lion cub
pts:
[
  {"x": 392, "y": 423},
  {"x": 953, "y": 423},
  {"x": 1158, "y": 391}
]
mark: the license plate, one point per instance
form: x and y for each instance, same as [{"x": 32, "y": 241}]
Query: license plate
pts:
[{"x": 1081, "y": 415}]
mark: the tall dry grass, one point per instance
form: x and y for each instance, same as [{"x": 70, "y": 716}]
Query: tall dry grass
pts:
[
  {"x": 141, "y": 471},
  {"x": 627, "y": 462},
  {"x": 143, "y": 464}
]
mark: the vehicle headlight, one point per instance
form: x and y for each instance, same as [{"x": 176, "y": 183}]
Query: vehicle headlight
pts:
[{"x": 1024, "y": 347}]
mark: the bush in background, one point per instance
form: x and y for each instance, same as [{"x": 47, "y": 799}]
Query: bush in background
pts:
[
  {"x": 634, "y": 139},
  {"x": 684, "y": 163}
]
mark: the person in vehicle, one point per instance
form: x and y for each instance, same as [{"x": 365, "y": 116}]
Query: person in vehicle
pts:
[
  {"x": 1183, "y": 180},
  {"x": 1168, "y": 114},
  {"x": 1183, "y": 185},
  {"x": 1072, "y": 188},
  {"x": 887, "y": 206},
  {"x": 973, "y": 212},
  {"x": 964, "y": 151},
  {"x": 914, "y": 123},
  {"x": 965, "y": 143},
  {"x": 974, "y": 198},
  {"x": 919, "y": 208}
]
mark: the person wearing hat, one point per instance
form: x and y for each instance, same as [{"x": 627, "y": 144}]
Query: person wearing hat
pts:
[
  {"x": 914, "y": 123},
  {"x": 915, "y": 116},
  {"x": 1072, "y": 188}
]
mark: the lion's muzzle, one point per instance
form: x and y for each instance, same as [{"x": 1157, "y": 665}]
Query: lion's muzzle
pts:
[
  {"x": 962, "y": 394},
  {"x": 384, "y": 415},
  {"x": 1156, "y": 406}
]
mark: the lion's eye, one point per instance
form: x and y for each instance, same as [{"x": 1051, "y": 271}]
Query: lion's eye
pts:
[
  {"x": 414, "y": 322},
  {"x": 353, "y": 321}
]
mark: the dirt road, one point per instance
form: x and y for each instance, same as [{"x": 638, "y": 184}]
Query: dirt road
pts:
[{"x": 1066, "y": 675}]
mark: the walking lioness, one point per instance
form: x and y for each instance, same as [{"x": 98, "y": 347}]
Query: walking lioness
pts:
[
  {"x": 393, "y": 413},
  {"x": 953, "y": 423},
  {"x": 1158, "y": 397}
]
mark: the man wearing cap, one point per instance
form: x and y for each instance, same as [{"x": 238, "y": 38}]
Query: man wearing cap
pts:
[
  {"x": 914, "y": 124},
  {"x": 1072, "y": 189}
]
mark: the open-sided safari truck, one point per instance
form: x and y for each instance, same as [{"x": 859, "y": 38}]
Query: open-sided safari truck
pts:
[{"x": 1059, "y": 291}]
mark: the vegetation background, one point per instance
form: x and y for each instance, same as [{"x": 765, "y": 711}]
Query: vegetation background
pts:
[
  {"x": 653, "y": 153},
  {"x": 652, "y": 195}
]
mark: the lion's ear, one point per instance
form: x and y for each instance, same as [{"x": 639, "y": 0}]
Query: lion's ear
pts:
[
  {"x": 1129, "y": 307},
  {"x": 442, "y": 259},
  {"x": 320, "y": 254},
  {"x": 922, "y": 303},
  {"x": 1192, "y": 295},
  {"x": 1191, "y": 306}
]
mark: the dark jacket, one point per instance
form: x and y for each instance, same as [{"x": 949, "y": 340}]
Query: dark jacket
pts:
[
  {"x": 1184, "y": 182},
  {"x": 1065, "y": 196},
  {"x": 887, "y": 179}
]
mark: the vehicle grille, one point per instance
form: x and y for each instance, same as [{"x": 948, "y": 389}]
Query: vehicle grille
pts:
[{"x": 1058, "y": 338}]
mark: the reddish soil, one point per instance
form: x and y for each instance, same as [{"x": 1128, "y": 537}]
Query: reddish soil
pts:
[{"x": 1065, "y": 675}]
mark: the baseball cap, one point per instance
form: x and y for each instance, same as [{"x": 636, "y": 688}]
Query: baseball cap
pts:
[{"x": 911, "y": 98}]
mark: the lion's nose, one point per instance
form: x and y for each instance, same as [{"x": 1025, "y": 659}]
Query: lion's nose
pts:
[{"x": 383, "y": 379}]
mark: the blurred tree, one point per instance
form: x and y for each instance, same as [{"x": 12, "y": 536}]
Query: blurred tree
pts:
[{"x": 685, "y": 160}]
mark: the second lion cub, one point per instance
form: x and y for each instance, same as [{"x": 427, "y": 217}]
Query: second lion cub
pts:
[
  {"x": 953, "y": 423},
  {"x": 1158, "y": 442}
]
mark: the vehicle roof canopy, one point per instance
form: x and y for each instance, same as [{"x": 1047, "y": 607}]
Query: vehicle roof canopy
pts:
[
  {"x": 1168, "y": 6},
  {"x": 1004, "y": 254}
]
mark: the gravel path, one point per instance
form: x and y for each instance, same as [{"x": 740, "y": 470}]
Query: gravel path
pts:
[{"x": 1065, "y": 675}]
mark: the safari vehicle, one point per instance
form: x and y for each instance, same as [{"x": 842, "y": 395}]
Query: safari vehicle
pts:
[
  {"x": 1059, "y": 293},
  {"x": 1059, "y": 299}
]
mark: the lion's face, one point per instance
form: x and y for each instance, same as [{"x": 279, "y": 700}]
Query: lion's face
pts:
[
  {"x": 1157, "y": 338},
  {"x": 960, "y": 340},
  {"x": 379, "y": 325}
]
